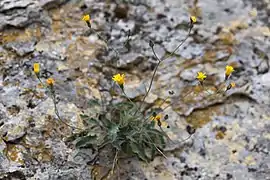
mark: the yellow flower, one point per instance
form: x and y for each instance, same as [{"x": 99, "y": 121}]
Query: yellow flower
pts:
[
  {"x": 158, "y": 120},
  {"x": 201, "y": 76},
  {"x": 193, "y": 19},
  {"x": 229, "y": 70},
  {"x": 86, "y": 18},
  {"x": 232, "y": 84},
  {"x": 36, "y": 68},
  {"x": 119, "y": 79},
  {"x": 50, "y": 81},
  {"x": 157, "y": 117}
]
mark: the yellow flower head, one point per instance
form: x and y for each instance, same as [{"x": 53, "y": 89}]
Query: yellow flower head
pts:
[
  {"x": 119, "y": 79},
  {"x": 36, "y": 68},
  {"x": 86, "y": 18},
  {"x": 201, "y": 76},
  {"x": 229, "y": 70},
  {"x": 157, "y": 117},
  {"x": 158, "y": 121},
  {"x": 50, "y": 81},
  {"x": 193, "y": 19},
  {"x": 231, "y": 85}
]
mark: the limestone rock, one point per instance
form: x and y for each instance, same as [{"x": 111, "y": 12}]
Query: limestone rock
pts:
[{"x": 20, "y": 13}]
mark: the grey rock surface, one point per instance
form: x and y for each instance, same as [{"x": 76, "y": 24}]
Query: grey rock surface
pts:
[
  {"x": 232, "y": 138},
  {"x": 20, "y": 13}
]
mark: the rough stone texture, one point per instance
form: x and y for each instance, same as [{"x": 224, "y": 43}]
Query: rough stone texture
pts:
[
  {"x": 47, "y": 4},
  {"x": 19, "y": 13},
  {"x": 232, "y": 139},
  {"x": 21, "y": 48}
]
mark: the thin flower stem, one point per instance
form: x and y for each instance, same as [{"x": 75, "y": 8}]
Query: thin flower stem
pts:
[
  {"x": 172, "y": 142},
  {"x": 51, "y": 90},
  {"x": 102, "y": 100},
  {"x": 151, "y": 82},
  {"x": 130, "y": 100},
  {"x": 165, "y": 134},
  {"x": 187, "y": 138},
  {"x": 128, "y": 97},
  {"x": 103, "y": 39},
  {"x": 160, "y": 151},
  {"x": 40, "y": 81},
  {"x": 128, "y": 36},
  {"x": 159, "y": 62},
  {"x": 155, "y": 143},
  {"x": 163, "y": 102},
  {"x": 172, "y": 53},
  {"x": 212, "y": 94},
  {"x": 56, "y": 109},
  {"x": 155, "y": 146},
  {"x": 155, "y": 54}
]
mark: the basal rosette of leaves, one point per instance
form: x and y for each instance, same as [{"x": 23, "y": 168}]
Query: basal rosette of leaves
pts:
[{"x": 122, "y": 130}]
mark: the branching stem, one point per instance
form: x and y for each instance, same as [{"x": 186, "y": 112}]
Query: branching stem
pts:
[{"x": 159, "y": 62}]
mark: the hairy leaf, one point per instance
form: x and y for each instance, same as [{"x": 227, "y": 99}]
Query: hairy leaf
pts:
[
  {"x": 113, "y": 130},
  {"x": 139, "y": 151},
  {"x": 86, "y": 141},
  {"x": 93, "y": 102}
]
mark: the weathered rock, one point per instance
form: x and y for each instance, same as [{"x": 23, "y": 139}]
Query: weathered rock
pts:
[
  {"x": 232, "y": 133},
  {"x": 129, "y": 60},
  {"x": 20, "y": 13},
  {"x": 134, "y": 88},
  {"x": 48, "y": 4},
  {"x": 21, "y": 48},
  {"x": 14, "y": 129},
  {"x": 3, "y": 158},
  {"x": 69, "y": 172}
]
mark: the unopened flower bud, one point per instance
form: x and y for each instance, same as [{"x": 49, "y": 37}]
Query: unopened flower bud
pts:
[{"x": 151, "y": 43}]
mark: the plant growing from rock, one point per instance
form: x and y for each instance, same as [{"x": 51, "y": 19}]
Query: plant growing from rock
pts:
[{"x": 123, "y": 129}]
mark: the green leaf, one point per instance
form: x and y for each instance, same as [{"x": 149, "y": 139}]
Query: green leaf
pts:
[
  {"x": 138, "y": 151},
  {"x": 152, "y": 124},
  {"x": 86, "y": 141},
  {"x": 93, "y": 102},
  {"x": 113, "y": 130},
  {"x": 157, "y": 137},
  {"x": 131, "y": 139},
  {"x": 84, "y": 116},
  {"x": 126, "y": 119},
  {"x": 124, "y": 106},
  {"x": 160, "y": 142},
  {"x": 126, "y": 148},
  {"x": 92, "y": 121},
  {"x": 89, "y": 119},
  {"x": 155, "y": 131},
  {"x": 106, "y": 122},
  {"x": 150, "y": 152}
]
